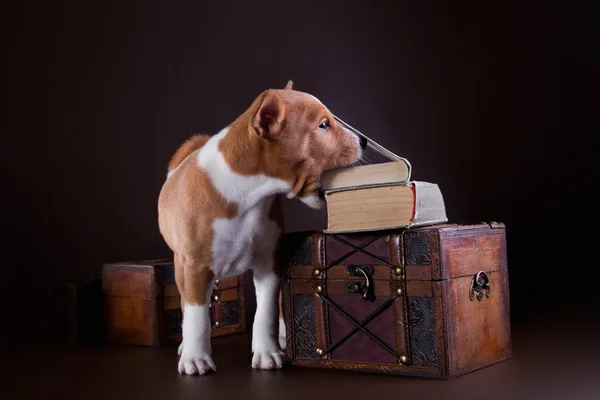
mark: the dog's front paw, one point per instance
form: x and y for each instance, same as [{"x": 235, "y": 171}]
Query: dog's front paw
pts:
[
  {"x": 282, "y": 338},
  {"x": 313, "y": 201},
  {"x": 268, "y": 358},
  {"x": 180, "y": 349},
  {"x": 196, "y": 364},
  {"x": 282, "y": 342}
]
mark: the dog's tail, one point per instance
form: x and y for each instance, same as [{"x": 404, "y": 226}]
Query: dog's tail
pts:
[{"x": 187, "y": 148}]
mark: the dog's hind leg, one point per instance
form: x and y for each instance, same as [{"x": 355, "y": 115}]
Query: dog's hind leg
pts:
[
  {"x": 282, "y": 333},
  {"x": 196, "y": 355},
  {"x": 179, "y": 280}
]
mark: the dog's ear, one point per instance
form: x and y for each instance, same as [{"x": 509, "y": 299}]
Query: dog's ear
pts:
[
  {"x": 289, "y": 85},
  {"x": 268, "y": 120}
]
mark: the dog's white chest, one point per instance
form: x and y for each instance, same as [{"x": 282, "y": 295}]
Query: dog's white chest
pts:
[
  {"x": 244, "y": 241},
  {"x": 249, "y": 239}
]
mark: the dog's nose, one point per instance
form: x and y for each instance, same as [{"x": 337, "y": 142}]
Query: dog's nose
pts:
[{"x": 363, "y": 142}]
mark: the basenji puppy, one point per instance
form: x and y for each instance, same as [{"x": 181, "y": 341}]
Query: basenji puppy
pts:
[{"x": 220, "y": 210}]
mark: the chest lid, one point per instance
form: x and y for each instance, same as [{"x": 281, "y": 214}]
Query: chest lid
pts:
[
  {"x": 436, "y": 252},
  {"x": 449, "y": 251},
  {"x": 146, "y": 279}
]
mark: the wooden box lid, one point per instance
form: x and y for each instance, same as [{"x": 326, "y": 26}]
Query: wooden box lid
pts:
[
  {"x": 433, "y": 252},
  {"x": 146, "y": 279}
]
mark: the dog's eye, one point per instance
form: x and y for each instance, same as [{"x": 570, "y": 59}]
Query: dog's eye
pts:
[{"x": 325, "y": 125}]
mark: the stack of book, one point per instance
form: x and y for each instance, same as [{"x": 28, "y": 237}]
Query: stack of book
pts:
[{"x": 379, "y": 196}]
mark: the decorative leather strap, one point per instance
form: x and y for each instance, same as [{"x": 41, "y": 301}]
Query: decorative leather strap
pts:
[
  {"x": 326, "y": 305},
  {"x": 356, "y": 249},
  {"x": 359, "y": 326}
]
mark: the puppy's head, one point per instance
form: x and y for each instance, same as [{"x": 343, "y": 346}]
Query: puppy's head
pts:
[{"x": 303, "y": 139}]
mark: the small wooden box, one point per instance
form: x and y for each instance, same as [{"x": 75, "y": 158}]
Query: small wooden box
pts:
[
  {"x": 429, "y": 302},
  {"x": 142, "y": 304}
]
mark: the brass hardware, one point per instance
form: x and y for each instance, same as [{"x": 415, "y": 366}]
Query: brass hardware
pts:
[
  {"x": 216, "y": 298},
  {"x": 319, "y": 289},
  {"x": 360, "y": 326},
  {"x": 354, "y": 287},
  {"x": 217, "y": 282},
  {"x": 320, "y": 352},
  {"x": 399, "y": 291},
  {"x": 217, "y": 324},
  {"x": 403, "y": 360},
  {"x": 398, "y": 271},
  {"x": 480, "y": 286},
  {"x": 361, "y": 270},
  {"x": 316, "y": 272},
  {"x": 365, "y": 288}
]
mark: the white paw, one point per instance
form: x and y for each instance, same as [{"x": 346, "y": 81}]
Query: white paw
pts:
[
  {"x": 313, "y": 201},
  {"x": 196, "y": 364},
  {"x": 180, "y": 349},
  {"x": 282, "y": 339},
  {"x": 268, "y": 359},
  {"x": 282, "y": 342}
]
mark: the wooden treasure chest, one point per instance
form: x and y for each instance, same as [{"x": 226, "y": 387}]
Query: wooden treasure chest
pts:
[
  {"x": 142, "y": 304},
  {"x": 429, "y": 302}
]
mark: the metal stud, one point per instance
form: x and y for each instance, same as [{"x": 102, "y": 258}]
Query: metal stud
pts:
[
  {"x": 216, "y": 298},
  {"x": 399, "y": 291},
  {"x": 217, "y": 324},
  {"x": 317, "y": 272},
  {"x": 398, "y": 271},
  {"x": 319, "y": 352},
  {"x": 217, "y": 282},
  {"x": 403, "y": 360},
  {"x": 319, "y": 289}
]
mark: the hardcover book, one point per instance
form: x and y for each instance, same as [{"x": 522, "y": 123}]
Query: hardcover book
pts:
[
  {"x": 373, "y": 174},
  {"x": 377, "y": 207}
]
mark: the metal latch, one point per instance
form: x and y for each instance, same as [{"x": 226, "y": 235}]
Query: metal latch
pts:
[
  {"x": 480, "y": 286},
  {"x": 366, "y": 287}
]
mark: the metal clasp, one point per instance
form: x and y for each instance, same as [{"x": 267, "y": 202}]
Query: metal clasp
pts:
[
  {"x": 480, "y": 286},
  {"x": 365, "y": 288}
]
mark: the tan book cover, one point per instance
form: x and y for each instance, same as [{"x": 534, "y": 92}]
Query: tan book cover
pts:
[{"x": 361, "y": 175}]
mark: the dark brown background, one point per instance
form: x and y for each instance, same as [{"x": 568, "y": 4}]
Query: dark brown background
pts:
[{"x": 488, "y": 101}]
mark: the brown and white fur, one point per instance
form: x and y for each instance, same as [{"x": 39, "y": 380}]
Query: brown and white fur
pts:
[{"x": 220, "y": 212}]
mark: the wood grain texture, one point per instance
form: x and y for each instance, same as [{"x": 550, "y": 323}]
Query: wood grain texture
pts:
[
  {"x": 419, "y": 289},
  {"x": 369, "y": 367},
  {"x": 443, "y": 333},
  {"x": 143, "y": 305},
  {"x": 478, "y": 332},
  {"x": 132, "y": 282},
  {"x": 131, "y": 320},
  {"x": 441, "y": 345},
  {"x": 465, "y": 252},
  {"x": 418, "y": 272},
  {"x": 172, "y": 302},
  {"x": 170, "y": 290}
]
